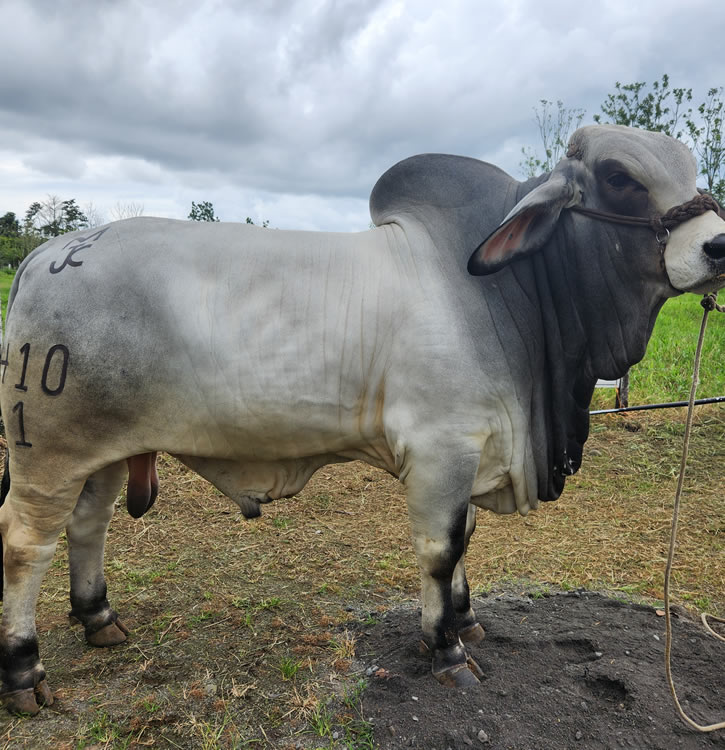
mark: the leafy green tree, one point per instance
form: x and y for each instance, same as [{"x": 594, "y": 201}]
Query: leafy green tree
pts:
[
  {"x": 54, "y": 217},
  {"x": 9, "y": 239},
  {"x": 203, "y": 211},
  {"x": 9, "y": 225},
  {"x": 664, "y": 108},
  {"x": 661, "y": 108},
  {"x": 709, "y": 142},
  {"x": 10, "y": 250},
  {"x": 555, "y": 127},
  {"x": 72, "y": 218},
  {"x": 14, "y": 244}
]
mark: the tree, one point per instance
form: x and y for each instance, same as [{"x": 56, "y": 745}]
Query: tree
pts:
[
  {"x": 203, "y": 211},
  {"x": 9, "y": 225},
  {"x": 94, "y": 215},
  {"x": 44, "y": 218},
  {"x": 54, "y": 217},
  {"x": 126, "y": 210},
  {"x": 554, "y": 130},
  {"x": 9, "y": 238},
  {"x": 72, "y": 218},
  {"x": 664, "y": 108},
  {"x": 660, "y": 109},
  {"x": 14, "y": 244},
  {"x": 264, "y": 224},
  {"x": 709, "y": 142}
]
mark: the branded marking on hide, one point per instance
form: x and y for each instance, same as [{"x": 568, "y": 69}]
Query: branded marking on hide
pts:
[
  {"x": 75, "y": 246},
  {"x": 25, "y": 351},
  {"x": 22, "y": 443},
  {"x": 52, "y": 380},
  {"x": 65, "y": 354}
]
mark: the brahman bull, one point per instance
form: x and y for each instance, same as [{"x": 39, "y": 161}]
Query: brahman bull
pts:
[{"x": 455, "y": 345}]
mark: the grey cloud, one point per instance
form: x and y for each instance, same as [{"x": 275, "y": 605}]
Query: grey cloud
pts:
[{"x": 316, "y": 99}]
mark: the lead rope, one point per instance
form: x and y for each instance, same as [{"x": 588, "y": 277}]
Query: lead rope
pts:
[{"x": 709, "y": 303}]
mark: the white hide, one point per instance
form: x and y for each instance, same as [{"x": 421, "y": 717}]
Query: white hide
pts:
[{"x": 688, "y": 267}]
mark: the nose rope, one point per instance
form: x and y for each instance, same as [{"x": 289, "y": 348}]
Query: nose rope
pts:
[
  {"x": 709, "y": 303},
  {"x": 660, "y": 225},
  {"x": 688, "y": 210}
]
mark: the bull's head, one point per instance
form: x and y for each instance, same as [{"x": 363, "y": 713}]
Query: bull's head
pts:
[{"x": 626, "y": 176}]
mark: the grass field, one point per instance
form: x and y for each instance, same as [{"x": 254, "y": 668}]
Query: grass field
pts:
[
  {"x": 6, "y": 281},
  {"x": 666, "y": 371}
]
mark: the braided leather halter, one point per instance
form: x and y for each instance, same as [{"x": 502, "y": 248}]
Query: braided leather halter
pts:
[{"x": 660, "y": 225}]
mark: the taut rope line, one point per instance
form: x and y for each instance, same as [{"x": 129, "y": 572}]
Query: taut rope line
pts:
[{"x": 709, "y": 303}]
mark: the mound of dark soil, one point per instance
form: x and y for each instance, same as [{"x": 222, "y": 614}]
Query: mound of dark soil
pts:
[{"x": 569, "y": 670}]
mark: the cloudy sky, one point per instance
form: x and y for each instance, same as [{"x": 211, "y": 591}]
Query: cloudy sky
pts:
[{"x": 289, "y": 110}]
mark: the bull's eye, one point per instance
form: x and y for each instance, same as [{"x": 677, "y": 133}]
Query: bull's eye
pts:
[{"x": 619, "y": 180}]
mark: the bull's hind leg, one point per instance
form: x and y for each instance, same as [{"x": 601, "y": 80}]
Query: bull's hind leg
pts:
[
  {"x": 31, "y": 520},
  {"x": 86, "y": 532},
  {"x": 469, "y": 629},
  {"x": 438, "y": 500}
]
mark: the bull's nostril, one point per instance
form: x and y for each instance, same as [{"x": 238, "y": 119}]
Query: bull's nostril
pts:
[{"x": 715, "y": 248}]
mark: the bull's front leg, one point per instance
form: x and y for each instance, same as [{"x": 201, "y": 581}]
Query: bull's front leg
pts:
[
  {"x": 438, "y": 500},
  {"x": 86, "y": 532}
]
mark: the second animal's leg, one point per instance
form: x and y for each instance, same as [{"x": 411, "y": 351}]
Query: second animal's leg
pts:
[
  {"x": 469, "y": 629},
  {"x": 86, "y": 532}
]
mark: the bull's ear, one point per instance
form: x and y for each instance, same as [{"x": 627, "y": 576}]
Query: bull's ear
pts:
[{"x": 527, "y": 227}]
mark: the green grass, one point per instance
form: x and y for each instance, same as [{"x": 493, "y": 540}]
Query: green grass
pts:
[
  {"x": 289, "y": 667},
  {"x": 665, "y": 373},
  {"x": 103, "y": 732},
  {"x": 6, "y": 280}
]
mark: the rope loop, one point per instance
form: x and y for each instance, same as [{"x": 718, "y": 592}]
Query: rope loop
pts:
[{"x": 709, "y": 303}]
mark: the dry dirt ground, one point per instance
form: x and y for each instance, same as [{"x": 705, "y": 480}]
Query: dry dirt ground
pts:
[{"x": 300, "y": 629}]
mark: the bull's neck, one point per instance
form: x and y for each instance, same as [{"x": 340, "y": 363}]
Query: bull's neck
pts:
[{"x": 584, "y": 319}]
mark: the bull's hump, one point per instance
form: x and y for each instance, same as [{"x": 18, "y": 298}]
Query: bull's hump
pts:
[{"x": 440, "y": 181}]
